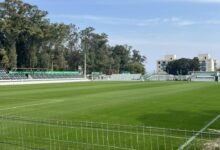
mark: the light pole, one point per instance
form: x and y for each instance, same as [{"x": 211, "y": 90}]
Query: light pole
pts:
[
  {"x": 52, "y": 57},
  {"x": 85, "y": 64}
]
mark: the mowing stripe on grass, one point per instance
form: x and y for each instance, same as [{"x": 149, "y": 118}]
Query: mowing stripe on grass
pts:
[
  {"x": 36, "y": 104},
  {"x": 198, "y": 133}
]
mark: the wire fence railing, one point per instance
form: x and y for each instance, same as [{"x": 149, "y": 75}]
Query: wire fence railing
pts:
[{"x": 21, "y": 133}]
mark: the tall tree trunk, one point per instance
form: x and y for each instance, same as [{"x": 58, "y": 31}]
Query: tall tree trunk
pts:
[{"x": 13, "y": 56}]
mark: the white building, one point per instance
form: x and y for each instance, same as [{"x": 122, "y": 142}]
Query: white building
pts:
[
  {"x": 207, "y": 63},
  {"x": 216, "y": 64},
  {"x": 162, "y": 64}
]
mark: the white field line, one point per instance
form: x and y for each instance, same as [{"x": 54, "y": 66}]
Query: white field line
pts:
[
  {"x": 182, "y": 147},
  {"x": 30, "y": 105}
]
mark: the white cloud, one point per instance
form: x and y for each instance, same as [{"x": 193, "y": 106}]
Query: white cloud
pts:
[
  {"x": 186, "y": 23},
  {"x": 134, "y": 22},
  {"x": 213, "y": 22}
]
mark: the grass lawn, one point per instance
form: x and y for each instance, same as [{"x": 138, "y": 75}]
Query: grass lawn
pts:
[
  {"x": 179, "y": 105},
  {"x": 31, "y": 115}
]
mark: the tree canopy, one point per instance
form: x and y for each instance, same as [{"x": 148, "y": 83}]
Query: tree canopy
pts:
[
  {"x": 29, "y": 40},
  {"x": 182, "y": 66}
]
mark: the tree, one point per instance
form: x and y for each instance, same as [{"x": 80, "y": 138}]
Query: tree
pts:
[
  {"x": 22, "y": 30},
  {"x": 4, "y": 61},
  {"x": 182, "y": 66},
  {"x": 59, "y": 35},
  {"x": 121, "y": 55},
  {"x": 44, "y": 60},
  {"x": 137, "y": 63},
  {"x": 29, "y": 40},
  {"x": 96, "y": 49}
]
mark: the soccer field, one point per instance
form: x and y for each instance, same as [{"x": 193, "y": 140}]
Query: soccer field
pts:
[{"x": 176, "y": 105}]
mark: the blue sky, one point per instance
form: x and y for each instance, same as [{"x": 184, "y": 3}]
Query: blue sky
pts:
[{"x": 155, "y": 27}]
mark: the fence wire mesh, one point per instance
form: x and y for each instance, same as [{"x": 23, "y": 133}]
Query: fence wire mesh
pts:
[{"x": 21, "y": 133}]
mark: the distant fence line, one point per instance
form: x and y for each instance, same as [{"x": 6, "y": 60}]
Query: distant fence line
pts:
[{"x": 22, "y": 133}]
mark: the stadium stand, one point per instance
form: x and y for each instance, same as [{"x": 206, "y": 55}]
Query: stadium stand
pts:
[
  {"x": 24, "y": 75},
  {"x": 162, "y": 76},
  {"x": 47, "y": 74},
  {"x": 4, "y": 75},
  {"x": 54, "y": 75},
  {"x": 205, "y": 76},
  {"x": 194, "y": 76},
  {"x": 182, "y": 78},
  {"x": 17, "y": 76},
  {"x": 8, "y": 76},
  {"x": 125, "y": 77}
]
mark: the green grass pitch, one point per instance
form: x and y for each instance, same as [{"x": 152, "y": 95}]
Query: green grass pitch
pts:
[
  {"x": 163, "y": 104},
  {"x": 178, "y": 105}
]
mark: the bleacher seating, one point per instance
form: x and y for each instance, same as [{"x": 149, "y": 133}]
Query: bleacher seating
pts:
[
  {"x": 55, "y": 75},
  {"x": 125, "y": 77},
  {"x": 166, "y": 77},
  {"x": 24, "y": 75},
  {"x": 182, "y": 77},
  {"x": 17, "y": 76},
  {"x": 4, "y": 75},
  {"x": 204, "y": 76},
  {"x": 160, "y": 77}
]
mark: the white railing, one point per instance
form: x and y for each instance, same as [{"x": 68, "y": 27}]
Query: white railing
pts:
[{"x": 29, "y": 133}]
